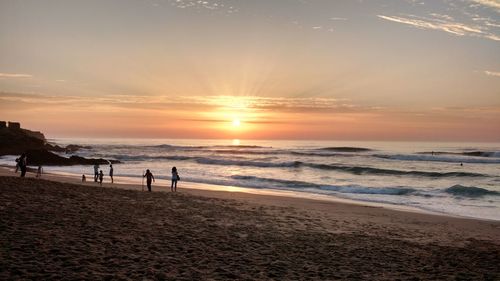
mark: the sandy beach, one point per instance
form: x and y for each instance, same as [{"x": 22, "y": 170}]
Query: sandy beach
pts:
[{"x": 59, "y": 229}]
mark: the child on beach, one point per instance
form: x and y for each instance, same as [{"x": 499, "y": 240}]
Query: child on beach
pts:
[
  {"x": 101, "y": 177},
  {"x": 84, "y": 179},
  {"x": 175, "y": 178},
  {"x": 149, "y": 177},
  {"x": 39, "y": 172}
]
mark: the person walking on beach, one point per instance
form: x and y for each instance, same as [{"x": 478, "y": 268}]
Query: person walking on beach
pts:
[
  {"x": 175, "y": 178},
  {"x": 111, "y": 172},
  {"x": 39, "y": 171},
  {"x": 23, "y": 164},
  {"x": 149, "y": 177},
  {"x": 84, "y": 179},
  {"x": 101, "y": 177},
  {"x": 96, "y": 172}
]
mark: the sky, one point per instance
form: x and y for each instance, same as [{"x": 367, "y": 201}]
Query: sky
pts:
[{"x": 392, "y": 70}]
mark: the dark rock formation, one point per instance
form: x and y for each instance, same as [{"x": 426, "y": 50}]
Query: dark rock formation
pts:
[
  {"x": 44, "y": 157},
  {"x": 15, "y": 141}
]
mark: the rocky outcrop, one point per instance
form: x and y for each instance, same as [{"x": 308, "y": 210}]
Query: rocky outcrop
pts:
[
  {"x": 15, "y": 141},
  {"x": 43, "y": 157}
]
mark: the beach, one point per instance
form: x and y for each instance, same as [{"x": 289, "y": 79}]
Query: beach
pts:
[{"x": 59, "y": 229}]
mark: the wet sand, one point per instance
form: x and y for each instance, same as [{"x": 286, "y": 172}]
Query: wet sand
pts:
[{"x": 61, "y": 230}]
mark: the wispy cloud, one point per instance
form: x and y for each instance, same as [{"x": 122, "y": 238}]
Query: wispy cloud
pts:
[
  {"x": 214, "y": 5},
  {"x": 490, "y": 3},
  {"x": 15, "y": 75},
  {"x": 492, "y": 73},
  {"x": 442, "y": 23}
]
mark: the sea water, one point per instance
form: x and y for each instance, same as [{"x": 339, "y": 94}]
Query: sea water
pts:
[{"x": 454, "y": 178}]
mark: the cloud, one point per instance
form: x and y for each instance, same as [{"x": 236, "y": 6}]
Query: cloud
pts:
[
  {"x": 492, "y": 73},
  {"x": 441, "y": 23},
  {"x": 213, "y": 5},
  {"x": 15, "y": 75},
  {"x": 338, "y": 18},
  {"x": 490, "y": 3}
]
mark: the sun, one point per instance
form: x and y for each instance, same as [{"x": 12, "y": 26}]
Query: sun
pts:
[{"x": 236, "y": 122}]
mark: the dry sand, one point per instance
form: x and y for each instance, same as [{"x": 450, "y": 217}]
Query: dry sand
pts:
[{"x": 56, "y": 230}]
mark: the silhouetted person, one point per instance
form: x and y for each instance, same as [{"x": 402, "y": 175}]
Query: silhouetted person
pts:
[
  {"x": 149, "y": 177},
  {"x": 84, "y": 179},
  {"x": 111, "y": 172},
  {"x": 39, "y": 171},
  {"x": 461, "y": 164},
  {"x": 23, "y": 164},
  {"x": 101, "y": 177},
  {"x": 96, "y": 172},
  {"x": 175, "y": 178},
  {"x": 17, "y": 165}
]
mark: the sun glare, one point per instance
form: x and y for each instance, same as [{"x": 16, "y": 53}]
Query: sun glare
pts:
[{"x": 236, "y": 122}]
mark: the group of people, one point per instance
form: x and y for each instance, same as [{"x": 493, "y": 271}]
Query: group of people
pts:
[
  {"x": 99, "y": 176},
  {"x": 22, "y": 164},
  {"x": 150, "y": 179}
]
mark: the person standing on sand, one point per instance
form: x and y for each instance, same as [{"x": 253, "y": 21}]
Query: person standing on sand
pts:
[
  {"x": 175, "y": 178},
  {"x": 39, "y": 171},
  {"x": 101, "y": 177},
  {"x": 149, "y": 177},
  {"x": 96, "y": 172},
  {"x": 111, "y": 172},
  {"x": 23, "y": 164},
  {"x": 84, "y": 179}
]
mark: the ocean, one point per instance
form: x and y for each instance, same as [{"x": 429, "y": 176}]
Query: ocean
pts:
[{"x": 460, "y": 179}]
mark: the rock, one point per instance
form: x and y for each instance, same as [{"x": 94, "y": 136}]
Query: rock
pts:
[
  {"x": 15, "y": 142},
  {"x": 46, "y": 158}
]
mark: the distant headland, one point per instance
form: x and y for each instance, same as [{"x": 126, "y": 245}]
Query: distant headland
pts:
[{"x": 14, "y": 140}]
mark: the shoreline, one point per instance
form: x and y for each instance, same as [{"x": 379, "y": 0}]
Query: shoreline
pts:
[{"x": 204, "y": 189}]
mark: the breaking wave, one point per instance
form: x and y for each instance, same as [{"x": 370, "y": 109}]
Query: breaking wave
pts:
[
  {"x": 345, "y": 149},
  {"x": 470, "y": 191},
  {"x": 433, "y": 158},
  {"x": 342, "y": 189}
]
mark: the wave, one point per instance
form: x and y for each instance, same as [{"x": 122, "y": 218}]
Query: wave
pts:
[
  {"x": 360, "y": 170},
  {"x": 492, "y": 154},
  {"x": 470, "y": 191},
  {"x": 342, "y": 189},
  {"x": 264, "y": 163},
  {"x": 433, "y": 158},
  {"x": 252, "y": 152},
  {"x": 169, "y": 146},
  {"x": 345, "y": 149},
  {"x": 320, "y": 154}
]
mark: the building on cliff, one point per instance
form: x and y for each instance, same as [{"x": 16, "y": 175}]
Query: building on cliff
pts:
[{"x": 14, "y": 125}]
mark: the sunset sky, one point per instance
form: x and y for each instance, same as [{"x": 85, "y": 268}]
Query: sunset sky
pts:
[{"x": 253, "y": 69}]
